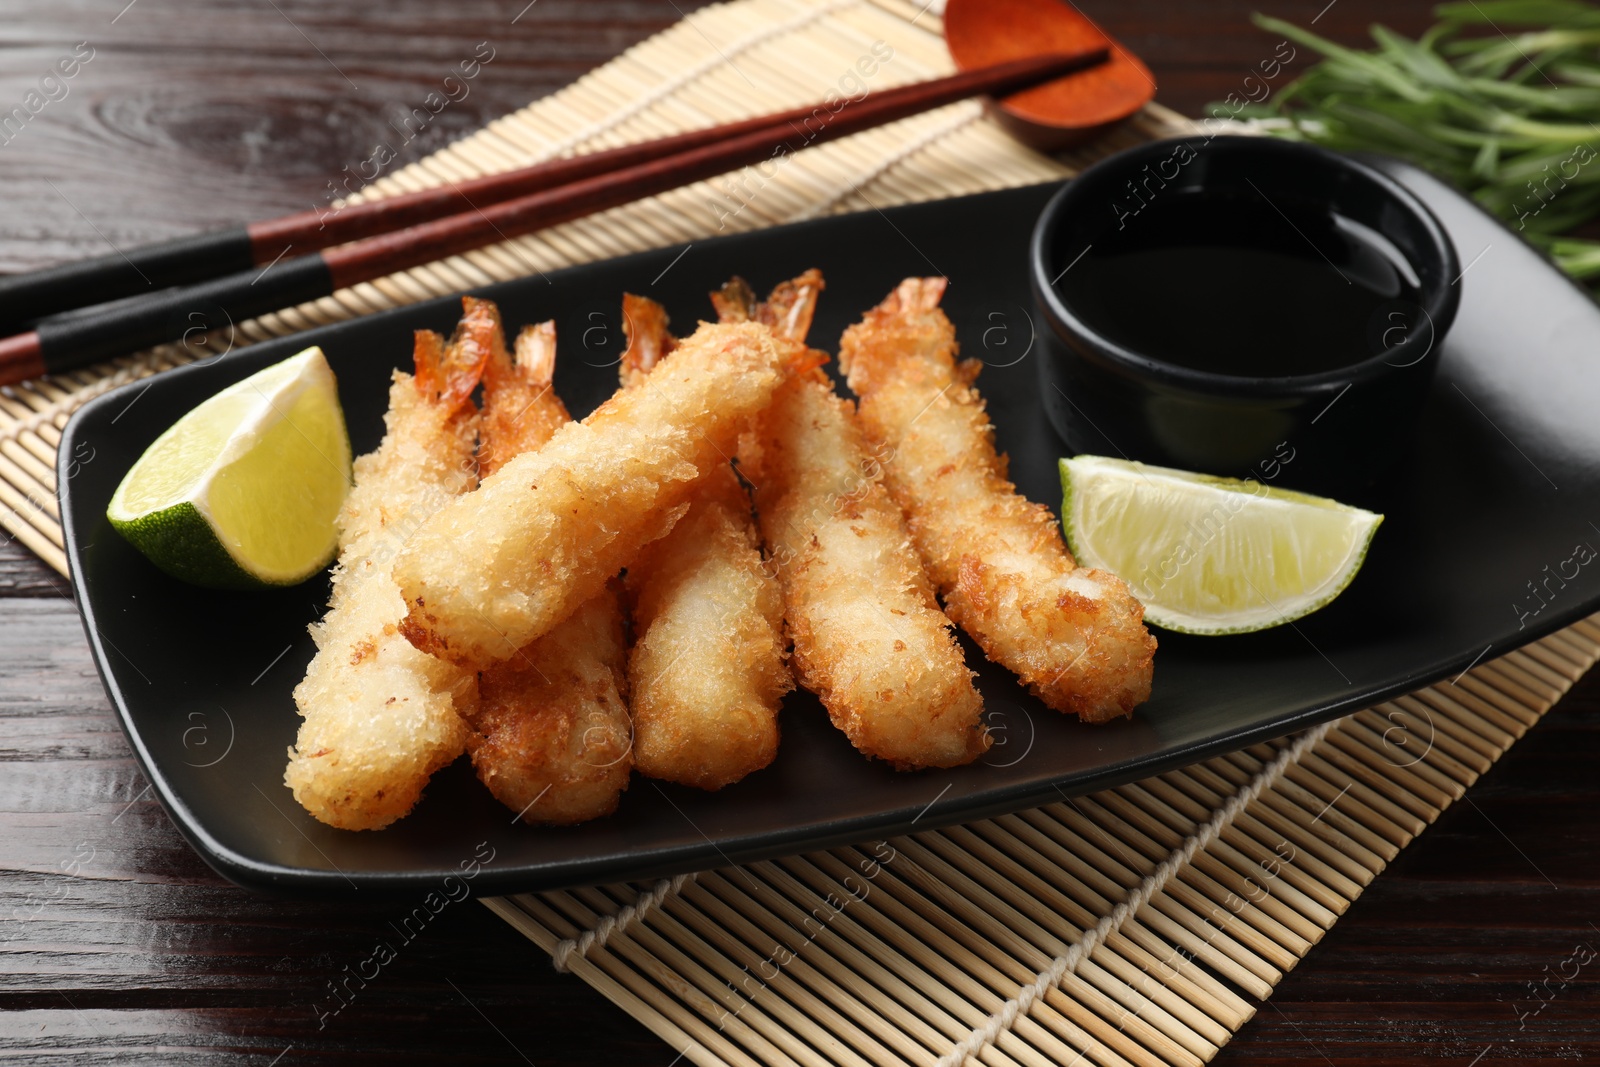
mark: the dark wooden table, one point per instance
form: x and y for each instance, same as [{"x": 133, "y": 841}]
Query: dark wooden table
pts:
[{"x": 117, "y": 945}]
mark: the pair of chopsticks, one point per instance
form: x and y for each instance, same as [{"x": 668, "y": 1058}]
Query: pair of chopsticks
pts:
[{"x": 80, "y": 312}]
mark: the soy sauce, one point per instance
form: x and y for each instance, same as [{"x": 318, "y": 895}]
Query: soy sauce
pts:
[{"x": 1235, "y": 284}]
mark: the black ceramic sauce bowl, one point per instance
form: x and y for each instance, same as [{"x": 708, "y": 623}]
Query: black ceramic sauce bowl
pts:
[{"x": 1344, "y": 425}]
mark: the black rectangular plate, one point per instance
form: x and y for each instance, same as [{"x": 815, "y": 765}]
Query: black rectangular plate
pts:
[{"x": 1502, "y": 487}]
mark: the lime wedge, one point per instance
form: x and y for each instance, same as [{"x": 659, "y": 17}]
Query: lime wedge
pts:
[
  {"x": 1211, "y": 555},
  {"x": 242, "y": 492}
]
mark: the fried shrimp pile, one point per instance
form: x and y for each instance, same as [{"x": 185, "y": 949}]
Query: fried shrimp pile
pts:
[
  {"x": 706, "y": 673},
  {"x": 496, "y": 569},
  {"x": 869, "y": 639},
  {"x": 1075, "y": 637},
  {"x": 550, "y": 732},
  {"x": 490, "y": 561},
  {"x": 379, "y": 716}
]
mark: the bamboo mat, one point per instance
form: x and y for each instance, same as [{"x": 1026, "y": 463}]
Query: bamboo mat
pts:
[
  {"x": 1134, "y": 926},
  {"x": 1128, "y": 927}
]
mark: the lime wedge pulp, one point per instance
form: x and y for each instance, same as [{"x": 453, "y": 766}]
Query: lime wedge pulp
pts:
[
  {"x": 1209, "y": 555},
  {"x": 243, "y": 491}
]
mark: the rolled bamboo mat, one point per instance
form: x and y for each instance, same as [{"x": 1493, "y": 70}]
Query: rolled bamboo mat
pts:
[
  {"x": 1134, "y": 926},
  {"x": 725, "y": 62}
]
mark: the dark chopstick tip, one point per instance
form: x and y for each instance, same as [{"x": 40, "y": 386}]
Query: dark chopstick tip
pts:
[{"x": 21, "y": 358}]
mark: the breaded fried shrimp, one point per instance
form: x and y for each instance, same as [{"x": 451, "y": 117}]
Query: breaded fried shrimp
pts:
[
  {"x": 869, "y": 639},
  {"x": 550, "y": 733},
  {"x": 706, "y": 673},
  {"x": 551, "y": 730},
  {"x": 500, "y": 567},
  {"x": 1074, "y": 636},
  {"x": 379, "y": 716}
]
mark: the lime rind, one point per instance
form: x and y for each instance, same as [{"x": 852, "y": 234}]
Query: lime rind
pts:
[
  {"x": 1362, "y": 526},
  {"x": 182, "y": 543}
]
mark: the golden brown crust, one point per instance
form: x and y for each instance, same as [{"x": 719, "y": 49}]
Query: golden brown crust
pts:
[
  {"x": 707, "y": 670},
  {"x": 550, "y": 732},
  {"x": 490, "y": 572},
  {"x": 1075, "y": 637},
  {"x": 379, "y": 716},
  {"x": 868, "y": 638}
]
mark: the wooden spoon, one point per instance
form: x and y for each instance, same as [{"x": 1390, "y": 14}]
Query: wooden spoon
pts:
[{"x": 1064, "y": 112}]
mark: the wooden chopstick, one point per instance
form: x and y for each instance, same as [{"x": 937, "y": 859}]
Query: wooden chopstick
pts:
[
  {"x": 28, "y": 297},
  {"x": 70, "y": 340}
]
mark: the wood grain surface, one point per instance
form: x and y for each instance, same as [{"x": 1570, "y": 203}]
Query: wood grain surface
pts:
[{"x": 118, "y": 946}]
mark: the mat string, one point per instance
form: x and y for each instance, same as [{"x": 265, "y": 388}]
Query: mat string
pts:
[
  {"x": 1001, "y": 1021},
  {"x": 666, "y": 89},
  {"x": 562, "y": 954},
  {"x": 966, "y": 117}
]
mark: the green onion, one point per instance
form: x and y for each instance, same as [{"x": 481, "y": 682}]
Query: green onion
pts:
[{"x": 1501, "y": 98}]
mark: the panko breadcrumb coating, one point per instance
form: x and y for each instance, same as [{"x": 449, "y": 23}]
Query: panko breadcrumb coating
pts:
[
  {"x": 550, "y": 732},
  {"x": 1075, "y": 637},
  {"x": 706, "y": 673},
  {"x": 379, "y": 716},
  {"x": 551, "y": 739},
  {"x": 869, "y": 639},
  {"x": 496, "y": 569}
]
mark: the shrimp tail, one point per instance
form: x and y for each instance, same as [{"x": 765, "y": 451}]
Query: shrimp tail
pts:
[
  {"x": 536, "y": 354},
  {"x": 790, "y": 306},
  {"x": 787, "y": 312},
  {"x": 447, "y": 373},
  {"x": 644, "y": 323},
  {"x": 520, "y": 409},
  {"x": 736, "y": 301},
  {"x": 916, "y": 296}
]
